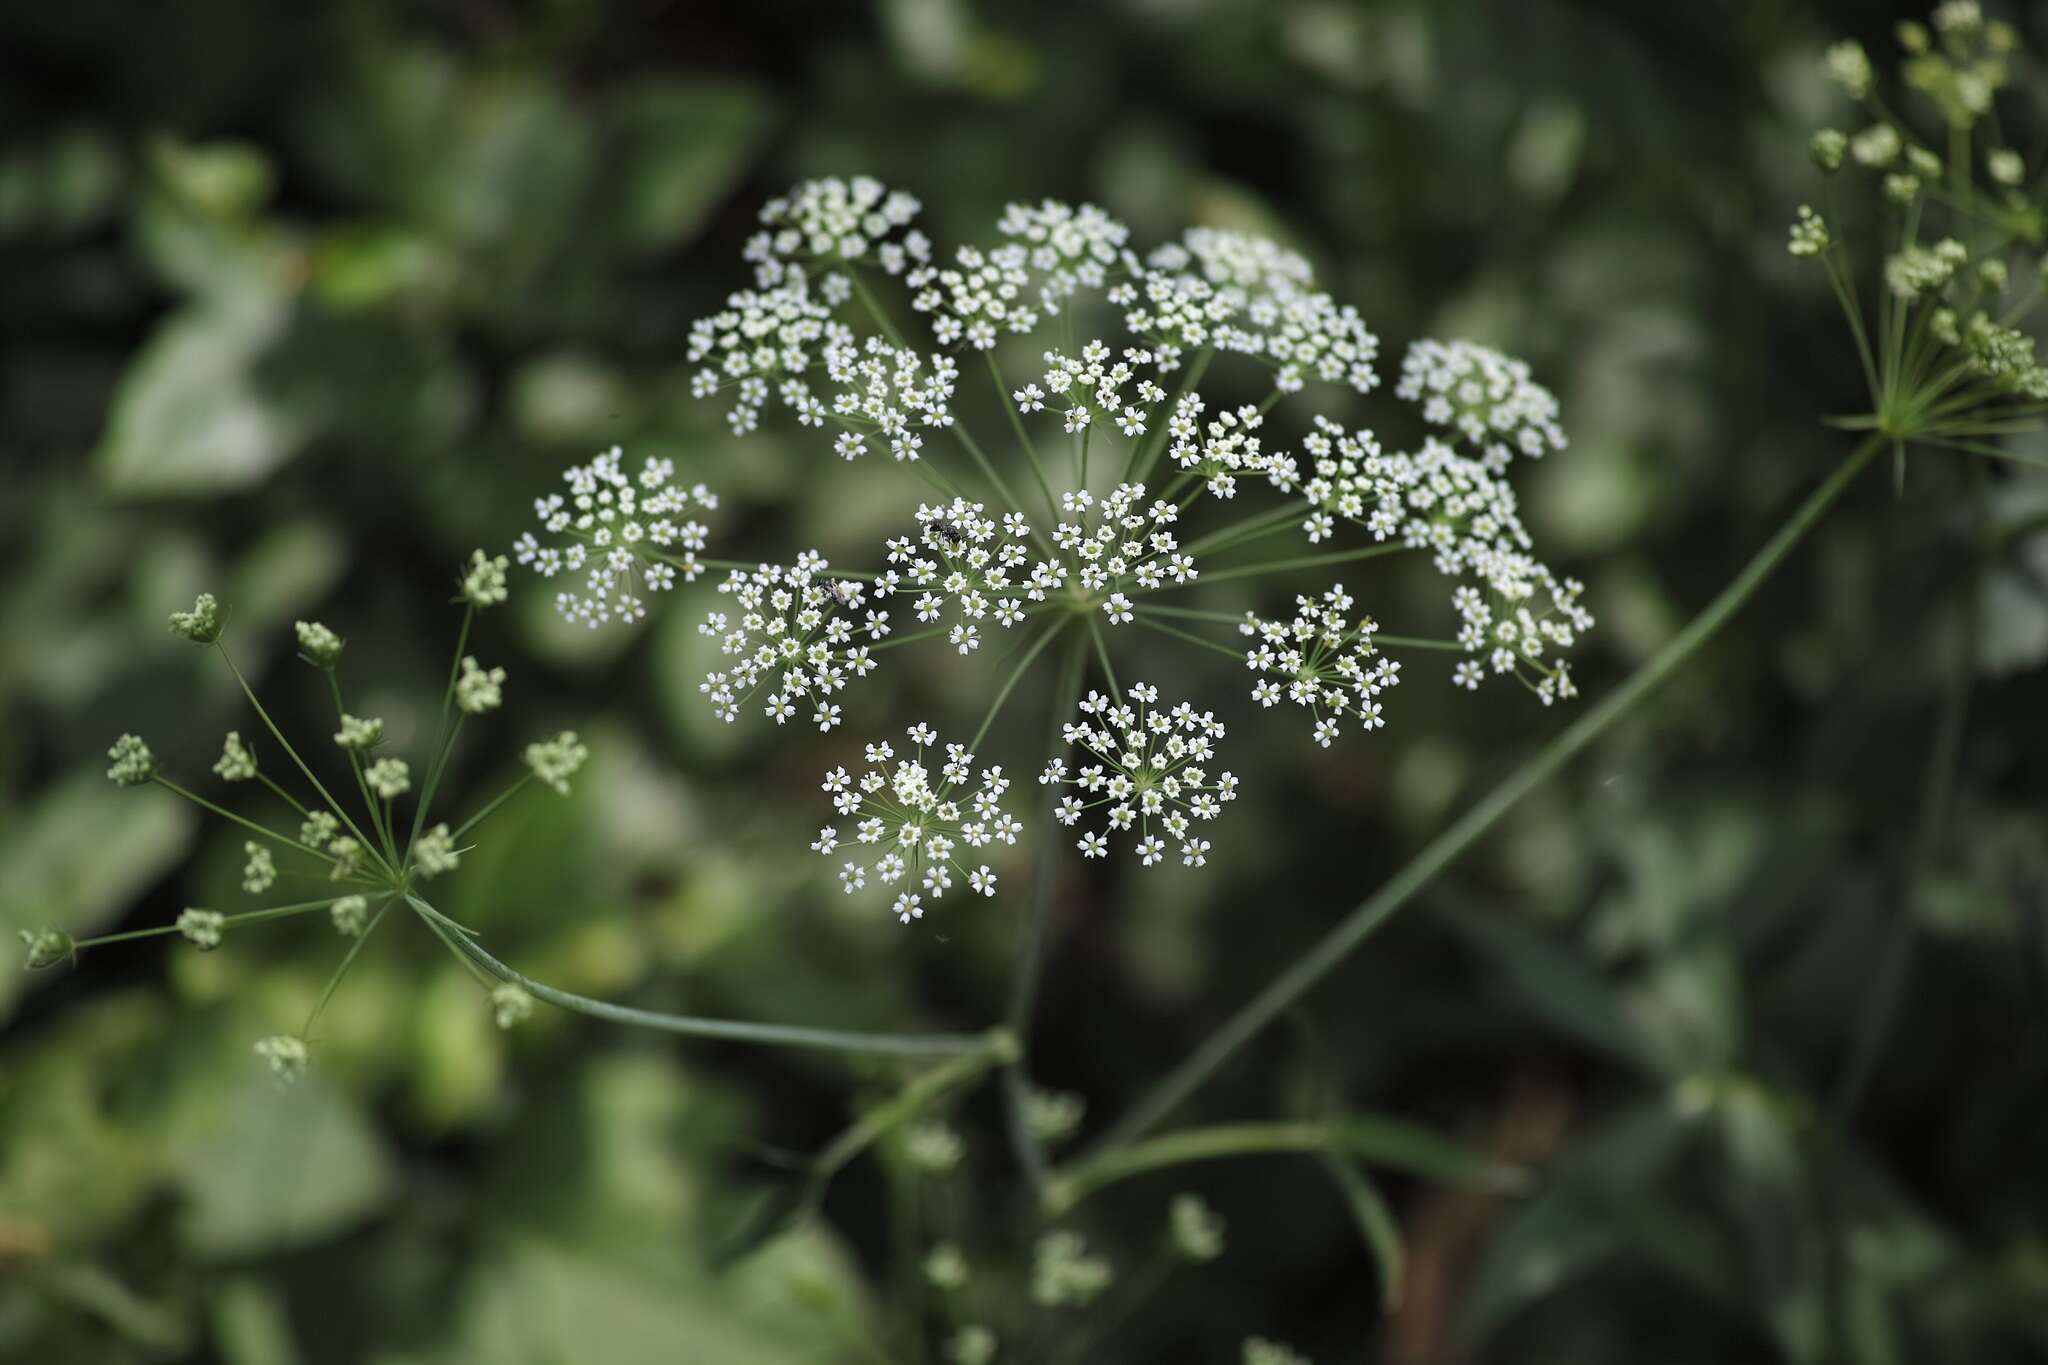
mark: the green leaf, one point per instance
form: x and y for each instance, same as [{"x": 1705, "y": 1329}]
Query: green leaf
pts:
[
  {"x": 281, "y": 1168},
  {"x": 189, "y": 418},
  {"x": 1559, "y": 985}
]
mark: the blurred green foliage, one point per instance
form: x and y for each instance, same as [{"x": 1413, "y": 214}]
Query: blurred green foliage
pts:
[{"x": 298, "y": 307}]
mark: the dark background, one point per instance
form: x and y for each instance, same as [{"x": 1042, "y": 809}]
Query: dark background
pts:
[{"x": 299, "y": 308}]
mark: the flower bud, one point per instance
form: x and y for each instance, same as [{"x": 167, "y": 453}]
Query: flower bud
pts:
[
  {"x": 1195, "y": 1229},
  {"x": 1828, "y": 147},
  {"x": 202, "y": 928},
  {"x": 202, "y": 624},
  {"x": 351, "y": 915},
  {"x": 318, "y": 645},
  {"x": 133, "y": 764},
  {"x": 46, "y": 948},
  {"x": 286, "y": 1055},
  {"x": 483, "y": 583},
  {"x": 237, "y": 762},
  {"x": 511, "y": 1006}
]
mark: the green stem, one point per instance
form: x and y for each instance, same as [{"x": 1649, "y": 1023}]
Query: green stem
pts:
[
  {"x": 348, "y": 960},
  {"x": 873, "y": 305},
  {"x": 451, "y": 726},
  {"x": 282, "y": 840},
  {"x": 1102, "y": 657},
  {"x": 1380, "y": 1141},
  {"x": 355, "y": 766},
  {"x": 293, "y": 754},
  {"x": 1187, "y": 635},
  {"x": 1311, "y": 967},
  {"x": 735, "y": 1030},
  {"x": 1031, "y": 954},
  {"x": 1937, "y": 798},
  {"x": 1141, "y": 468},
  {"x": 988, "y": 1050},
  {"x": 227, "y": 922},
  {"x": 1045, "y": 638},
  {"x": 1300, "y": 562},
  {"x": 500, "y": 799},
  {"x": 1030, "y": 447}
]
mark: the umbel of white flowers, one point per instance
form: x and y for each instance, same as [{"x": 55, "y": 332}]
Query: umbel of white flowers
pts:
[{"x": 1098, "y": 491}]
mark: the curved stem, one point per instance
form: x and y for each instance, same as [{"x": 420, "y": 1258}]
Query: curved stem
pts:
[
  {"x": 734, "y": 1030},
  {"x": 1323, "y": 957},
  {"x": 1376, "y": 1140}
]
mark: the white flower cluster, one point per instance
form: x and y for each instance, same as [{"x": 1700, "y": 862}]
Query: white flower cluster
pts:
[
  {"x": 914, "y": 828},
  {"x": 1321, "y": 661},
  {"x": 833, "y": 221},
  {"x": 1247, "y": 295},
  {"x": 1153, "y": 773},
  {"x": 795, "y": 629},
  {"x": 1112, "y": 547},
  {"x": 1094, "y": 388},
  {"x": 621, "y": 532},
  {"x": 1053, "y": 252},
  {"x": 1465, "y": 515},
  {"x": 887, "y": 391},
  {"x": 1225, "y": 446},
  {"x": 1484, "y": 396}
]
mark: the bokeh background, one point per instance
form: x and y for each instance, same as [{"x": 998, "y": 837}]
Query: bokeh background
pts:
[{"x": 300, "y": 304}]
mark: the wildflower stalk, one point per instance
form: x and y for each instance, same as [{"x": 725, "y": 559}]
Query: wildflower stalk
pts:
[
  {"x": 355, "y": 766},
  {"x": 1301, "y": 562},
  {"x": 992, "y": 1049},
  {"x": 226, "y": 922},
  {"x": 1311, "y": 967},
  {"x": 995, "y": 708},
  {"x": 1937, "y": 797},
  {"x": 1144, "y": 619},
  {"x": 1024, "y": 441},
  {"x": 451, "y": 726},
  {"x": 1141, "y": 465},
  {"x": 500, "y": 799},
  {"x": 390, "y": 866},
  {"x": 734, "y": 1030},
  {"x": 283, "y": 840},
  {"x": 348, "y": 960},
  {"x": 1030, "y": 960},
  {"x": 1379, "y": 1140},
  {"x": 1102, "y": 657}
]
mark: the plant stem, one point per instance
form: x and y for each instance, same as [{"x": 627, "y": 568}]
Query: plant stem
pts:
[
  {"x": 293, "y": 754},
  {"x": 1031, "y": 955},
  {"x": 1388, "y": 1142},
  {"x": 500, "y": 799},
  {"x": 1187, "y": 635},
  {"x": 735, "y": 1030},
  {"x": 1300, "y": 562},
  {"x": 348, "y": 960},
  {"x": 448, "y": 732},
  {"x": 1311, "y": 967},
  {"x": 1045, "y": 638},
  {"x": 283, "y": 840},
  {"x": 227, "y": 922},
  {"x": 1102, "y": 657},
  {"x": 1024, "y": 440},
  {"x": 989, "y": 1050}
]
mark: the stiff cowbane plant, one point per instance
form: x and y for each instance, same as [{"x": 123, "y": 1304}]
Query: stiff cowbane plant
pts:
[{"x": 1087, "y": 439}]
